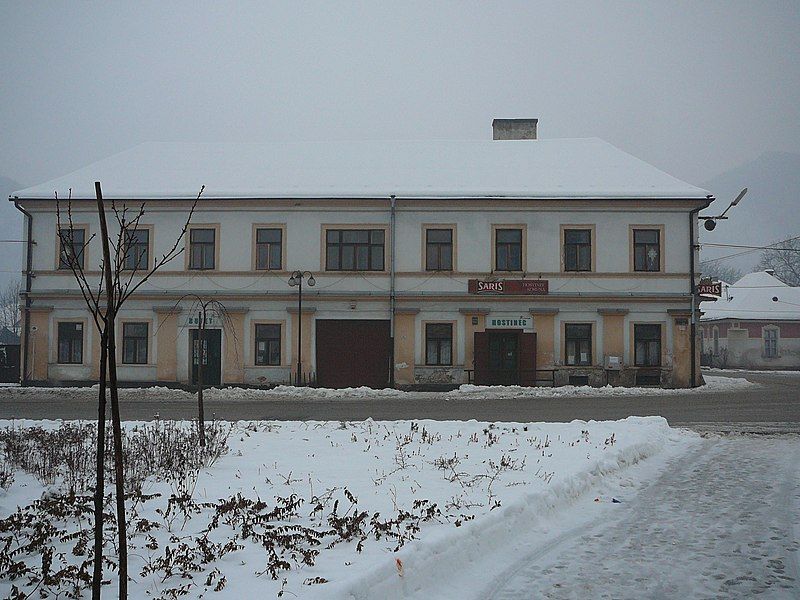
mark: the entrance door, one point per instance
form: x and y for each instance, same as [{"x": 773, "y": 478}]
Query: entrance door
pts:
[
  {"x": 352, "y": 353},
  {"x": 212, "y": 356},
  {"x": 504, "y": 357}
]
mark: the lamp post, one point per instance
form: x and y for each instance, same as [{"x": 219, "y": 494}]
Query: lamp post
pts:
[{"x": 297, "y": 279}]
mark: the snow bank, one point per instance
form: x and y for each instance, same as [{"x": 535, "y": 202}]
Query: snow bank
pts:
[{"x": 286, "y": 392}]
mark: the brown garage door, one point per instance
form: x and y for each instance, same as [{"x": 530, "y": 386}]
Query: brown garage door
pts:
[{"x": 352, "y": 353}]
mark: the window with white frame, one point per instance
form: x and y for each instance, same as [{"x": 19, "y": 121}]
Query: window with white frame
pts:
[{"x": 770, "y": 337}]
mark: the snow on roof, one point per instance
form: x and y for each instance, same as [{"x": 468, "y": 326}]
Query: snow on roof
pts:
[
  {"x": 559, "y": 168},
  {"x": 751, "y": 298}
]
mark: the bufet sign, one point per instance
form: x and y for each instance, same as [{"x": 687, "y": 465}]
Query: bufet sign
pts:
[
  {"x": 526, "y": 287},
  {"x": 709, "y": 289}
]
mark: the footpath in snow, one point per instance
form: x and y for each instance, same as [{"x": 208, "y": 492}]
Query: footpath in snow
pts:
[
  {"x": 714, "y": 384},
  {"x": 322, "y": 509}
]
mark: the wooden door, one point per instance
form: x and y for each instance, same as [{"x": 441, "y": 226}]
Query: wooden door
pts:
[{"x": 352, "y": 353}]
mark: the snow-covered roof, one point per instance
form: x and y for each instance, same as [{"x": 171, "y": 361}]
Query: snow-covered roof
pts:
[
  {"x": 752, "y": 298},
  {"x": 558, "y": 168}
]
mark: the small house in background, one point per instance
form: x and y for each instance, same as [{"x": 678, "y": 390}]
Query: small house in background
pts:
[
  {"x": 754, "y": 325},
  {"x": 9, "y": 356}
]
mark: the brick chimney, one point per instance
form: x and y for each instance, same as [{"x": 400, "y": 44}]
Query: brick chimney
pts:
[{"x": 514, "y": 129}]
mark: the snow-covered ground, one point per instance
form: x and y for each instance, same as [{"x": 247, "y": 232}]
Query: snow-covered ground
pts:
[
  {"x": 489, "y": 483},
  {"x": 714, "y": 384},
  {"x": 746, "y": 371}
]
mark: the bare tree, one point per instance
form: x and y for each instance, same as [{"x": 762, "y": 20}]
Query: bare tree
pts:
[
  {"x": 206, "y": 308},
  {"x": 9, "y": 306},
  {"x": 719, "y": 271},
  {"x": 784, "y": 258},
  {"x": 121, "y": 278}
]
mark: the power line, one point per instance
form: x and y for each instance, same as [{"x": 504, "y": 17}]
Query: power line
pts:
[{"x": 770, "y": 247}]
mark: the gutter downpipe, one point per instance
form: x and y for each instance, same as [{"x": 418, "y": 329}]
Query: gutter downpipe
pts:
[
  {"x": 693, "y": 327},
  {"x": 28, "y": 282},
  {"x": 392, "y": 299}
]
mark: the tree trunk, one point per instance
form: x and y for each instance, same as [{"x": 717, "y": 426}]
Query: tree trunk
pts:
[
  {"x": 115, "y": 416},
  {"x": 99, "y": 489},
  {"x": 200, "y": 353}
]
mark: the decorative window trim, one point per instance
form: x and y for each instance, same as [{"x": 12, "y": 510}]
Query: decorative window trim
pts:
[
  {"x": 86, "y": 235},
  {"x": 524, "y": 246},
  {"x": 662, "y": 247},
  {"x": 150, "y": 258},
  {"x": 593, "y": 245},
  {"x": 251, "y": 347},
  {"x": 188, "y": 246},
  {"x": 387, "y": 245},
  {"x": 424, "y": 245},
  {"x": 254, "y": 246},
  {"x": 453, "y": 343}
]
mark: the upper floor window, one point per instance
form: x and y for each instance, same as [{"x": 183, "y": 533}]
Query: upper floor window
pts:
[
  {"x": 577, "y": 249},
  {"x": 770, "y": 342},
  {"x": 71, "y": 244},
  {"x": 647, "y": 345},
  {"x": 137, "y": 249},
  {"x": 646, "y": 250},
  {"x": 268, "y": 344},
  {"x": 439, "y": 344},
  {"x": 355, "y": 250},
  {"x": 134, "y": 343},
  {"x": 508, "y": 249},
  {"x": 202, "y": 249},
  {"x": 269, "y": 248},
  {"x": 70, "y": 343},
  {"x": 578, "y": 344},
  {"x": 439, "y": 249}
]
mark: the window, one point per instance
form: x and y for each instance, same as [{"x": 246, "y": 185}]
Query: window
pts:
[
  {"x": 715, "y": 337},
  {"x": 646, "y": 250},
  {"x": 70, "y": 343},
  {"x": 647, "y": 345},
  {"x": 508, "y": 250},
  {"x": 439, "y": 344},
  {"x": 268, "y": 249},
  {"x": 354, "y": 250},
  {"x": 71, "y": 242},
  {"x": 134, "y": 343},
  {"x": 268, "y": 345},
  {"x": 577, "y": 249},
  {"x": 578, "y": 344},
  {"x": 771, "y": 343},
  {"x": 138, "y": 250},
  {"x": 439, "y": 249},
  {"x": 202, "y": 244}
]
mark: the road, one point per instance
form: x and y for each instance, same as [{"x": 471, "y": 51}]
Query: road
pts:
[
  {"x": 773, "y": 407},
  {"x": 720, "y": 522}
]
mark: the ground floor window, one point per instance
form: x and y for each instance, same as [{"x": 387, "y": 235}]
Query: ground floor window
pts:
[
  {"x": 439, "y": 344},
  {"x": 268, "y": 345},
  {"x": 771, "y": 342},
  {"x": 647, "y": 345},
  {"x": 134, "y": 343},
  {"x": 70, "y": 343},
  {"x": 578, "y": 345}
]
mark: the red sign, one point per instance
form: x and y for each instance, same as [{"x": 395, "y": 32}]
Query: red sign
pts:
[
  {"x": 711, "y": 289},
  {"x": 528, "y": 287}
]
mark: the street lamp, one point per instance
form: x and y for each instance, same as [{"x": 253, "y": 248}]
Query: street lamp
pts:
[
  {"x": 297, "y": 280},
  {"x": 711, "y": 222}
]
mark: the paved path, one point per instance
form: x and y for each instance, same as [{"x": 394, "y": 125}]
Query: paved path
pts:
[{"x": 722, "y": 522}]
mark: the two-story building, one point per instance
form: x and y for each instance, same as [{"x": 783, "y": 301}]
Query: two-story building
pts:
[{"x": 508, "y": 261}]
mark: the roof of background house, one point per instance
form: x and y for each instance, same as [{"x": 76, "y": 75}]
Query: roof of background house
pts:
[
  {"x": 751, "y": 298},
  {"x": 557, "y": 168},
  {"x": 8, "y": 337}
]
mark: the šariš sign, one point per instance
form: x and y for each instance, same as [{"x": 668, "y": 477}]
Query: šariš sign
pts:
[
  {"x": 709, "y": 289},
  {"x": 529, "y": 287}
]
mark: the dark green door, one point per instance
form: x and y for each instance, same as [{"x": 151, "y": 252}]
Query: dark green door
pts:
[
  {"x": 212, "y": 356},
  {"x": 503, "y": 358}
]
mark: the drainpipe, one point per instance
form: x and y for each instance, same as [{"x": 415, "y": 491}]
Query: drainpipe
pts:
[
  {"x": 693, "y": 326},
  {"x": 391, "y": 290},
  {"x": 28, "y": 282}
]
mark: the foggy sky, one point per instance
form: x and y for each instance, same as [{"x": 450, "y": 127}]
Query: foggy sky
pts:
[{"x": 694, "y": 88}]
